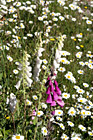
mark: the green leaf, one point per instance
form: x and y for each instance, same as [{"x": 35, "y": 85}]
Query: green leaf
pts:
[
  {"x": 1, "y": 75},
  {"x": 35, "y": 121}
]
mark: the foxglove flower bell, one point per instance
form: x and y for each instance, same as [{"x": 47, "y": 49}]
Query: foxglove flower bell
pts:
[{"x": 12, "y": 102}]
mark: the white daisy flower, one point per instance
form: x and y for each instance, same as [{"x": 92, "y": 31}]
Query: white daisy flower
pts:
[
  {"x": 44, "y": 105},
  {"x": 81, "y": 91},
  {"x": 82, "y": 100},
  {"x": 40, "y": 113},
  {"x": 15, "y": 71},
  {"x": 64, "y": 137},
  {"x": 59, "y": 118},
  {"x": 28, "y": 102},
  {"x": 61, "y": 69},
  {"x": 17, "y": 137},
  {"x": 70, "y": 123},
  {"x": 72, "y": 111},
  {"x": 44, "y": 61},
  {"x": 88, "y": 21},
  {"x": 65, "y": 95},
  {"x": 44, "y": 131},
  {"x": 9, "y": 58},
  {"x": 62, "y": 126},
  {"x": 85, "y": 85},
  {"x": 81, "y": 127},
  {"x": 80, "y": 71},
  {"x": 35, "y": 97},
  {"x": 58, "y": 112}
]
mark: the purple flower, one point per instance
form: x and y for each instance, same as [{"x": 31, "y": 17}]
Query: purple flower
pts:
[
  {"x": 52, "y": 87},
  {"x": 58, "y": 90},
  {"x": 50, "y": 83},
  {"x": 60, "y": 103},
  {"x": 53, "y": 112},
  {"x": 53, "y": 103},
  {"x": 56, "y": 83},
  {"x": 55, "y": 96},
  {"x": 49, "y": 99},
  {"x": 48, "y": 90}
]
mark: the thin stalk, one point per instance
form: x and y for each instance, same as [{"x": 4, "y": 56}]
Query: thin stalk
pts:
[
  {"x": 41, "y": 90},
  {"x": 24, "y": 93},
  {"x": 13, "y": 122}
]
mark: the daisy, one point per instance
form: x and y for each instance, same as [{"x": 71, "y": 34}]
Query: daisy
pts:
[
  {"x": 81, "y": 91},
  {"x": 44, "y": 67},
  {"x": 44, "y": 131},
  {"x": 30, "y": 35},
  {"x": 90, "y": 65},
  {"x": 88, "y": 21},
  {"x": 88, "y": 113},
  {"x": 72, "y": 111},
  {"x": 40, "y": 18},
  {"x": 61, "y": 18},
  {"x": 72, "y": 6},
  {"x": 70, "y": 123},
  {"x": 44, "y": 105},
  {"x": 62, "y": 126},
  {"x": 64, "y": 137},
  {"x": 80, "y": 71},
  {"x": 58, "y": 112},
  {"x": 78, "y": 54},
  {"x": 76, "y": 138},
  {"x": 81, "y": 127},
  {"x": 82, "y": 100},
  {"x": 83, "y": 112},
  {"x": 65, "y": 95},
  {"x": 22, "y": 26},
  {"x": 35, "y": 97},
  {"x": 17, "y": 137},
  {"x": 28, "y": 102},
  {"x": 44, "y": 61},
  {"x": 15, "y": 71},
  {"x": 55, "y": 19},
  {"x": 40, "y": 113},
  {"x": 81, "y": 63},
  {"x": 9, "y": 58},
  {"x": 85, "y": 85},
  {"x": 59, "y": 118},
  {"x": 90, "y": 133},
  {"x": 61, "y": 69}
]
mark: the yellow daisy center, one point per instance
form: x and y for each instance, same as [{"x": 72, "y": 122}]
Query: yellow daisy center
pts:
[{"x": 17, "y": 137}]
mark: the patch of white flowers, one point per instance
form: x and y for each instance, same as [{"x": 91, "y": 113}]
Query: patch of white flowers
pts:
[{"x": 25, "y": 73}]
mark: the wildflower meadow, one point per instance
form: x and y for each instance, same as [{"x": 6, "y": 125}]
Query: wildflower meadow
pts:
[{"x": 46, "y": 77}]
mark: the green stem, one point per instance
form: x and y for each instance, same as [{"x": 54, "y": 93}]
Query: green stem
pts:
[{"x": 42, "y": 88}]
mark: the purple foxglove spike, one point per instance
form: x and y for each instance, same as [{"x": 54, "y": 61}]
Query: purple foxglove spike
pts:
[
  {"x": 56, "y": 83},
  {"x": 48, "y": 90},
  {"x": 60, "y": 103},
  {"x": 49, "y": 99},
  {"x": 53, "y": 103},
  {"x": 55, "y": 96}
]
